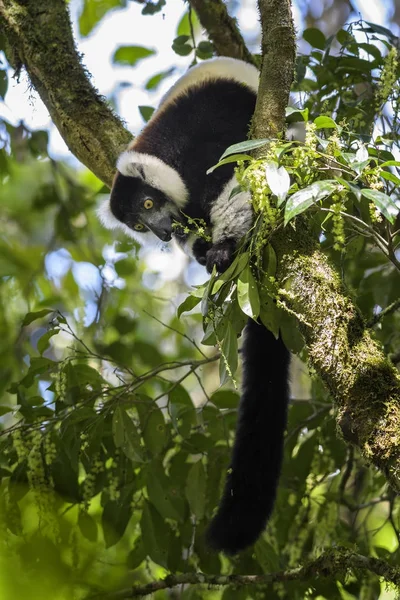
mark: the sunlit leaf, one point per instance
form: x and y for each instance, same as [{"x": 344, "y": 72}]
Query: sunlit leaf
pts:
[
  {"x": 131, "y": 55},
  {"x": 278, "y": 180},
  {"x": 306, "y": 197}
]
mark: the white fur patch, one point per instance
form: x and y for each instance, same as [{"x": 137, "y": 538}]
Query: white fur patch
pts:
[
  {"x": 231, "y": 217},
  {"x": 156, "y": 173},
  {"x": 219, "y": 68}
]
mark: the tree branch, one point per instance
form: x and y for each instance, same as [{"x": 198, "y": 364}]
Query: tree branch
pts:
[
  {"x": 333, "y": 562},
  {"x": 40, "y": 34},
  {"x": 363, "y": 383},
  {"x": 278, "y": 57},
  {"x": 222, "y": 29}
]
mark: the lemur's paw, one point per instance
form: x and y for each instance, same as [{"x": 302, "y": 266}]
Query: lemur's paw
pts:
[
  {"x": 199, "y": 250},
  {"x": 221, "y": 255}
]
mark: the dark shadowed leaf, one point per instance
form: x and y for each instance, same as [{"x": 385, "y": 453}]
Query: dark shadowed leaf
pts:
[
  {"x": 154, "y": 534},
  {"x": 196, "y": 489},
  {"x": 88, "y": 526},
  {"x": 146, "y": 112},
  {"x": 315, "y": 37},
  {"x": 383, "y": 202}
]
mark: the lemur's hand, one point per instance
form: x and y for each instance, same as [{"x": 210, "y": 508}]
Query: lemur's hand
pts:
[
  {"x": 199, "y": 250},
  {"x": 221, "y": 255}
]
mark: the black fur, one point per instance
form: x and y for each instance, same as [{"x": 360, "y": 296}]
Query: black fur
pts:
[
  {"x": 189, "y": 135},
  {"x": 210, "y": 118},
  {"x": 252, "y": 480}
]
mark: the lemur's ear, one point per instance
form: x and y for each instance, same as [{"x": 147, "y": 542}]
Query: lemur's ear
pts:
[{"x": 128, "y": 166}]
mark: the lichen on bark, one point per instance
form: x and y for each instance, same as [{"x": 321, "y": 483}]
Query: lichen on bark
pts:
[{"x": 363, "y": 383}]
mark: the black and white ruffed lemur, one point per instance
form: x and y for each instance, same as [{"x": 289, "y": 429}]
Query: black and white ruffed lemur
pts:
[{"x": 162, "y": 179}]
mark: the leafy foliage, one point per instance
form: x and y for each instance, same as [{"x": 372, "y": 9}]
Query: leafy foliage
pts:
[{"x": 114, "y": 436}]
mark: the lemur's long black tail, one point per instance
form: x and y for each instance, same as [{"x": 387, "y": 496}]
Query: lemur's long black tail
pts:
[{"x": 252, "y": 480}]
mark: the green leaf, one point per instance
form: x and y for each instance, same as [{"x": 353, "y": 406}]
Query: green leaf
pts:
[
  {"x": 34, "y": 316},
  {"x": 204, "y": 50},
  {"x": 381, "y": 31},
  {"x": 181, "y": 410},
  {"x": 247, "y": 293},
  {"x": 188, "y": 304},
  {"x": 44, "y": 341},
  {"x": 290, "y": 333},
  {"x": 325, "y": 122},
  {"x": 115, "y": 519},
  {"x": 3, "y": 83},
  {"x": 88, "y": 526},
  {"x": 245, "y": 146},
  {"x": 266, "y": 556},
  {"x": 272, "y": 261},
  {"x": 229, "y": 361},
  {"x": 315, "y": 38},
  {"x": 146, "y": 112},
  {"x": 196, "y": 489},
  {"x": 180, "y": 45},
  {"x": 137, "y": 555},
  {"x": 154, "y": 431},
  {"x": 183, "y": 28},
  {"x": 240, "y": 262},
  {"x": 383, "y": 202},
  {"x": 152, "y": 7},
  {"x": 225, "y": 399},
  {"x": 93, "y": 11},
  {"x": 157, "y": 489},
  {"x": 6, "y": 409},
  {"x": 306, "y": 197},
  {"x": 154, "y": 534},
  {"x": 180, "y": 40},
  {"x": 154, "y": 82},
  {"x": 270, "y": 316},
  {"x": 126, "y": 435},
  {"x": 290, "y": 110},
  {"x": 234, "y": 158},
  {"x": 131, "y": 55},
  {"x": 390, "y": 177}
]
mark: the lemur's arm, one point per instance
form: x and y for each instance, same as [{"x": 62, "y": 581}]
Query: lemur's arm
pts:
[{"x": 231, "y": 218}]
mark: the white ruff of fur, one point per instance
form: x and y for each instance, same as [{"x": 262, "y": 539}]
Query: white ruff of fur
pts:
[
  {"x": 156, "y": 173},
  {"x": 108, "y": 221},
  {"x": 215, "y": 69},
  {"x": 231, "y": 217}
]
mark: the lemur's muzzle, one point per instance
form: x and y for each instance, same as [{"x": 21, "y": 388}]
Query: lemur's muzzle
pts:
[{"x": 160, "y": 225}]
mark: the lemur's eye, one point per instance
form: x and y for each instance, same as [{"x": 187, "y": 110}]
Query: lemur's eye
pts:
[
  {"x": 138, "y": 227},
  {"x": 148, "y": 203}
]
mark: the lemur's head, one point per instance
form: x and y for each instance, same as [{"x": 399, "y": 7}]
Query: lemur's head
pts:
[{"x": 145, "y": 197}]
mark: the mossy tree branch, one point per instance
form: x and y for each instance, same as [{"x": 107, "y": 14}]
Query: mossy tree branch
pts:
[
  {"x": 363, "y": 383},
  {"x": 278, "y": 49},
  {"x": 222, "y": 29},
  {"x": 40, "y": 36},
  {"x": 337, "y": 562}
]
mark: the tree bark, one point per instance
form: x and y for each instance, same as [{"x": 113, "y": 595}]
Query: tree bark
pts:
[
  {"x": 363, "y": 383},
  {"x": 222, "y": 29}
]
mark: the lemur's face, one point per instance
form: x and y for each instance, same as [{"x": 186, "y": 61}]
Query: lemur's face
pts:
[{"x": 141, "y": 207}]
